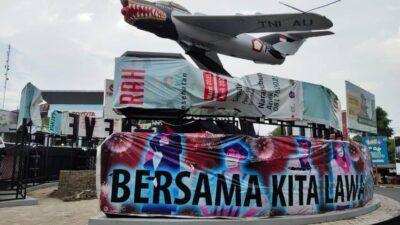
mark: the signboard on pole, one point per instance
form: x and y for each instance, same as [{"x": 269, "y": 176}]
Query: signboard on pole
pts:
[
  {"x": 397, "y": 153},
  {"x": 378, "y": 148},
  {"x": 8, "y": 121},
  {"x": 361, "y": 113}
]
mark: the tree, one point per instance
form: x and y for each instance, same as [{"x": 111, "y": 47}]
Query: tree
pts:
[
  {"x": 278, "y": 131},
  {"x": 383, "y": 123},
  {"x": 391, "y": 152},
  {"x": 385, "y": 130},
  {"x": 357, "y": 138}
]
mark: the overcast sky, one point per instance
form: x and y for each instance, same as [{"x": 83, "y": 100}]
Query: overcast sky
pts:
[{"x": 63, "y": 45}]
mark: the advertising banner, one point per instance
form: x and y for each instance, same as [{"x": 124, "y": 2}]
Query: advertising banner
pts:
[
  {"x": 361, "y": 114},
  {"x": 82, "y": 110},
  {"x": 207, "y": 175},
  {"x": 8, "y": 121},
  {"x": 174, "y": 84},
  {"x": 29, "y": 107},
  {"x": 397, "y": 152},
  {"x": 108, "y": 98},
  {"x": 378, "y": 148},
  {"x": 321, "y": 106},
  {"x": 344, "y": 124},
  {"x": 55, "y": 121}
]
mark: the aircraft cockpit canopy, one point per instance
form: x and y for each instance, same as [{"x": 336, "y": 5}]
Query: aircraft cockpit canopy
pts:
[{"x": 172, "y": 5}]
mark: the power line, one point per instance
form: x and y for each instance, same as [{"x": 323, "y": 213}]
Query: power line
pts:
[{"x": 7, "y": 67}]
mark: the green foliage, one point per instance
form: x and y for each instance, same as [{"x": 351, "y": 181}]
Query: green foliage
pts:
[
  {"x": 383, "y": 123},
  {"x": 357, "y": 138},
  {"x": 278, "y": 132},
  {"x": 391, "y": 152},
  {"x": 45, "y": 122},
  {"x": 384, "y": 129}
]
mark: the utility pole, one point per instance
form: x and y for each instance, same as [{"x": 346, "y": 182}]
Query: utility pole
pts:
[{"x": 7, "y": 67}]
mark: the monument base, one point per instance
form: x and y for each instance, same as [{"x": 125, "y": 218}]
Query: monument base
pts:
[{"x": 298, "y": 220}]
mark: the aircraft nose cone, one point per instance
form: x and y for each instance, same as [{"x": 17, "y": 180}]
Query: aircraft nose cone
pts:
[
  {"x": 124, "y": 3},
  {"x": 124, "y": 11}
]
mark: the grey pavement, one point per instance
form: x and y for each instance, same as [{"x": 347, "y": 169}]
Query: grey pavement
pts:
[
  {"x": 393, "y": 193},
  {"x": 55, "y": 212},
  {"x": 387, "y": 214},
  {"x": 389, "y": 209}
]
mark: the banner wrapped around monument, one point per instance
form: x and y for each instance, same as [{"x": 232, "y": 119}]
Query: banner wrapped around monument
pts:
[
  {"x": 174, "y": 84},
  {"x": 207, "y": 175}
]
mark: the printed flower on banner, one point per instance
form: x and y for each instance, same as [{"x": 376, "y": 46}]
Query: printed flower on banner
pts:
[
  {"x": 263, "y": 148},
  {"x": 119, "y": 142},
  {"x": 105, "y": 190},
  {"x": 123, "y": 149},
  {"x": 283, "y": 148},
  {"x": 202, "y": 151}
]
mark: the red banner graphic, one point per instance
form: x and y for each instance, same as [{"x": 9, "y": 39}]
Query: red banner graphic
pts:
[
  {"x": 222, "y": 87},
  {"x": 209, "y": 90}
]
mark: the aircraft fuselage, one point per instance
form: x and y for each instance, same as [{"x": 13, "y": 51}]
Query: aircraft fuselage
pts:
[{"x": 158, "y": 18}]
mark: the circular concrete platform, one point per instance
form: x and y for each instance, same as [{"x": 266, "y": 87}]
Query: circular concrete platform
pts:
[{"x": 298, "y": 220}]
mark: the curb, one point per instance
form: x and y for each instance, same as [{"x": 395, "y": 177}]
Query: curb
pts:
[
  {"x": 391, "y": 187},
  {"x": 41, "y": 186},
  {"x": 28, "y": 201},
  {"x": 298, "y": 220}
]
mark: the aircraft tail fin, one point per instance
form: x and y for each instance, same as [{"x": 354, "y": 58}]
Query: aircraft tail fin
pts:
[{"x": 289, "y": 43}]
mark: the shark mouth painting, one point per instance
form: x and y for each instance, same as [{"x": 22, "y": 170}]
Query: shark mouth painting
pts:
[{"x": 134, "y": 11}]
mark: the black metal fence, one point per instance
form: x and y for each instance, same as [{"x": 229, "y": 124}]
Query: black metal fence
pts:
[
  {"x": 45, "y": 163},
  {"x": 27, "y": 164},
  {"x": 11, "y": 184}
]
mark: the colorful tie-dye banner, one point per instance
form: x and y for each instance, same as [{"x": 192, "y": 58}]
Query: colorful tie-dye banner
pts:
[{"x": 207, "y": 175}]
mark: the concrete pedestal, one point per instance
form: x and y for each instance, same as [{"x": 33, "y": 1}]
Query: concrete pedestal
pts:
[{"x": 291, "y": 220}]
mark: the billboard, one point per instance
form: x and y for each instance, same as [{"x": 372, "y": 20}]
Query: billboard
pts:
[
  {"x": 378, "y": 148},
  {"x": 397, "y": 152},
  {"x": 361, "y": 113},
  {"x": 82, "y": 110},
  {"x": 8, "y": 121},
  {"x": 108, "y": 98},
  {"x": 228, "y": 176},
  {"x": 174, "y": 84}
]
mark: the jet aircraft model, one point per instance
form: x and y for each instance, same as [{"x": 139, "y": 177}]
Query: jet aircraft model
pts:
[{"x": 203, "y": 36}]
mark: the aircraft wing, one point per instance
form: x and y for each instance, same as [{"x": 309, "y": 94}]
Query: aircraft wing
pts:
[
  {"x": 239, "y": 24},
  {"x": 209, "y": 61},
  {"x": 205, "y": 59}
]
